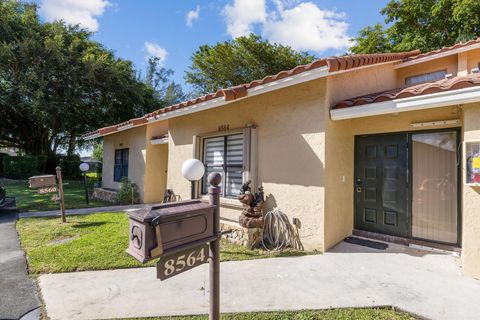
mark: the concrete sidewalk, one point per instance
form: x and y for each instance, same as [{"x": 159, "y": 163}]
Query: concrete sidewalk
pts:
[
  {"x": 427, "y": 284},
  {"x": 18, "y": 294},
  {"x": 56, "y": 213}
]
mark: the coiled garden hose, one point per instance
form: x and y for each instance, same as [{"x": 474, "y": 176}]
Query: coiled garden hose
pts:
[{"x": 278, "y": 233}]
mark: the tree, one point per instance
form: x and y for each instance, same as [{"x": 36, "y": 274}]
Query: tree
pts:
[
  {"x": 56, "y": 83},
  {"x": 97, "y": 153},
  {"x": 421, "y": 24},
  {"x": 158, "y": 77},
  {"x": 238, "y": 61}
]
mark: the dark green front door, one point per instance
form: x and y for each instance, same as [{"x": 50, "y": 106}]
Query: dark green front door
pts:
[{"x": 381, "y": 190}]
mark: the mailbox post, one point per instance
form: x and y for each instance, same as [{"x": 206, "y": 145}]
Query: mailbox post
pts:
[
  {"x": 183, "y": 235},
  {"x": 60, "y": 193},
  {"x": 214, "y": 190}
]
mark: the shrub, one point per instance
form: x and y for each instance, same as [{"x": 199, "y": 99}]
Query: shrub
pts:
[
  {"x": 128, "y": 192},
  {"x": 70, "y": 167},
  {"x": 23, "y": 167},
  {"x": 2, "y": 155}
]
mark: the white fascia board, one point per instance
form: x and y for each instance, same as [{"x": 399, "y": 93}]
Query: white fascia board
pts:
[
  {"x": 93, "y": 136},
  {"x": 125, "y": 127},
  {"x": 434, "y": 100},
  {"x": 159, "y": 141},
  {"x": 437, "y": 56}
]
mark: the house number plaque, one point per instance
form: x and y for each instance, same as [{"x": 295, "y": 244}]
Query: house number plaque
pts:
[
  {"x": 175, "y": 263},
  {"x": 224, "y": 127}
]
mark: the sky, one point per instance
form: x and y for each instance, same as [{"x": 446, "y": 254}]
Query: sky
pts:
[{"x": 172, "y": 30}]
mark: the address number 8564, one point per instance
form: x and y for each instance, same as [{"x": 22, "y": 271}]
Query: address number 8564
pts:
[{"x": 171, "y": 265}]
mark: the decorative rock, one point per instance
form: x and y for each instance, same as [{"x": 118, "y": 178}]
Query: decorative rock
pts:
[{"x": 104, "y": 194}]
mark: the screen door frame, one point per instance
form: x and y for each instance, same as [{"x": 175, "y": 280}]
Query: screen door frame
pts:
[{"x": 459, "y": 154}]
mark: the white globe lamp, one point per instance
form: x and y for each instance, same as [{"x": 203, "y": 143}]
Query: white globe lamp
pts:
[
  {"x": 193, "y": 170},
  {"x": 84, "y": 167}
]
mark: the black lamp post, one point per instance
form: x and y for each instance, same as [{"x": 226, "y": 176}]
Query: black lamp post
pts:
[{"x": 84, "y": 168}]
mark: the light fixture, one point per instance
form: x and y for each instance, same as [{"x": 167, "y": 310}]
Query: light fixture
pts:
[
  {"x": 434, "y": 123},
  {"x": 193, "y": 170},
  {"x": 84, "y": 168}
]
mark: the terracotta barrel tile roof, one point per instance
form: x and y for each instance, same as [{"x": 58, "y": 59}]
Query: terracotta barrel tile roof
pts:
[
  {"x": 444, "y": 49},
  {"x": 229, "y": 94},
  {"x": 455, "y": 83}
]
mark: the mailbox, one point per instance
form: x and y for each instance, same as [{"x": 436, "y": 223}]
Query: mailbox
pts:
[
  {"x": 42, "y": 181},
  {"x": 156, "y": 229}
]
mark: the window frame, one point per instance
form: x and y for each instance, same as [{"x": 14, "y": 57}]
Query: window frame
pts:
[
  {"x": 412, "y": 78},
  {"x": 225, "y": 166},
  {"x": 122, "y": 166},
  {"x": 249, "y": 158}
]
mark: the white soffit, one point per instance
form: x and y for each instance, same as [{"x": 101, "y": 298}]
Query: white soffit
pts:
[{"x": 434, "y": 100}]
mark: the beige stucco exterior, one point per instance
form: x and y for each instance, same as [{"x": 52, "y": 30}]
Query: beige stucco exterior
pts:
[
  {"x": 147, "y": 163},
  {"x": 471, "y": 200},
  {"x": 134, "y": 140},
  {"x": 291, "y": 152},
  {"x": 304, "y": 160}
]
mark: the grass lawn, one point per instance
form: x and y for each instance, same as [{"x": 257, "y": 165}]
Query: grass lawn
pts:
[
  {"x": 331, "y": 314},
  {"x": 96, "y": 242},
  {"x": 29, "y": 200}
]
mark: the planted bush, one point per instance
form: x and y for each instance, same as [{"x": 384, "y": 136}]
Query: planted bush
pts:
[{"x": 128, "y": 192}]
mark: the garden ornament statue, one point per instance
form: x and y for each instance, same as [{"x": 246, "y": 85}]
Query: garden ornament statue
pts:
[{"x": 252, "y": 213}]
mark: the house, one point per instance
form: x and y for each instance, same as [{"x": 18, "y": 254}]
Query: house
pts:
[{"x": 379, "y": 145}]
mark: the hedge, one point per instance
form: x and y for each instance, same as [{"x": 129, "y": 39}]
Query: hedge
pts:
[
  {"x": 2, "y": 155},
  {"x": 23, "y": 167}
]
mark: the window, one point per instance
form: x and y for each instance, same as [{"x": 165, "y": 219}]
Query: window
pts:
[
  {"x": 225, "y": 154},
  {"x": 121, "y": 165},
  {"x": 425, "y": 77}
]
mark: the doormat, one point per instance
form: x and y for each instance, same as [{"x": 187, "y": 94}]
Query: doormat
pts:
[{"x": 367, "y": 243}]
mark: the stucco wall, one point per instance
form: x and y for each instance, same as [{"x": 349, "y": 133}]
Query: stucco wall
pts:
[
  {"x": 339, "y": 206},
  {"x": 471, "y": 201},
  {"x": 449, "y": 63},
  {"x": 339, "y": 147},
  {"x": 134, "y": 140},
  {"x": 290, "y": 151},
  {"x": 156, "y": 164}
]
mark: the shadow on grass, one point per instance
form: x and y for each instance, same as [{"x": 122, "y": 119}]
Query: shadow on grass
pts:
[{"x": 80, "y": 225}]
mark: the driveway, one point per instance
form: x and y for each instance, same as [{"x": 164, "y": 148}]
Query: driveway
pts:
[
  {"x": 424, "y": 283},
  {"x": 17, "y": 291}
]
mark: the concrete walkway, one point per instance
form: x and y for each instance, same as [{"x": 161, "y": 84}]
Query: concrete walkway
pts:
[
  {"x": 427, "y": 284},
  {"x": 56, "y": 213},
  {"x": 17, "y": 291}
]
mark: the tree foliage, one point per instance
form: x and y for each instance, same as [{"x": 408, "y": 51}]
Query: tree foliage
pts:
[
  {"x": 421, "y": 24},
  {"x": 56, "y": 83},
  {"x": 238, "y": 61},
  {"x": 158, "y": 77}
]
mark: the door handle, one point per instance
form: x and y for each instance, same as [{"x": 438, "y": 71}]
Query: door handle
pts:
[{"x": 359, "y": 185}]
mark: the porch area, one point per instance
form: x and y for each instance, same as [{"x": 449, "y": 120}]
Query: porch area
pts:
[{"x": 404, "y": 175}]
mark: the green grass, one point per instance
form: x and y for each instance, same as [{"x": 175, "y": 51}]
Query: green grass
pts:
[
  {"x": 330, "y": 314},
  {"x": 29, "y": 200},
  {"x": 96, "y": 242}
]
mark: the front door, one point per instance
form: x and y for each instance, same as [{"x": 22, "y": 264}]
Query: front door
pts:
[{"x": 381, "y": 190}]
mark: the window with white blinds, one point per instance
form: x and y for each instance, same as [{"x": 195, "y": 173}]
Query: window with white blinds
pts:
[{"x": 224, "y": 154}]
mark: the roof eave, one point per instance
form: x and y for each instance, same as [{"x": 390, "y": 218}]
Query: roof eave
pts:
[
  {"x": 428, "y": 101},
  {"x": 437, "y": 56}
]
